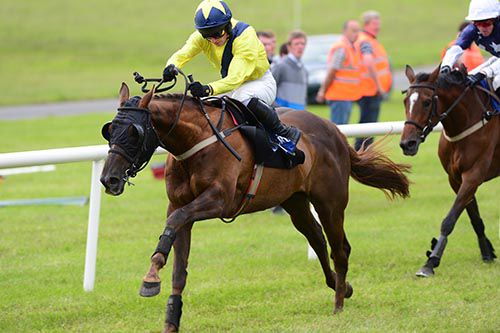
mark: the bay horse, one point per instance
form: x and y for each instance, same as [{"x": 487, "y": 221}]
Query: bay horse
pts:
[
  {"x": 469, "y": 147},
  {"x": 211, "y": 183}
]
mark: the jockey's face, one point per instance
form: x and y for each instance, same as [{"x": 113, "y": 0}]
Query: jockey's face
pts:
[
  {"x": 219, "y": 41},
  {"x": 485, "y": 27}
]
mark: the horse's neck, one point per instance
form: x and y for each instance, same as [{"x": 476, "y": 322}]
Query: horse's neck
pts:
[
  {"x": 191, "y": 128},
  {"x": 465, "y": 114}
]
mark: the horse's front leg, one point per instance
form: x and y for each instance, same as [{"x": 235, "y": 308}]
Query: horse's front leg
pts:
[
  {"x": 207, "y": 205},
  {"x": 182, "y": 245},
  {"x": 465, "y": 193}
]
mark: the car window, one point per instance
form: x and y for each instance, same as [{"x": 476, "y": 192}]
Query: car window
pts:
[{"x": 317, "y": 48}]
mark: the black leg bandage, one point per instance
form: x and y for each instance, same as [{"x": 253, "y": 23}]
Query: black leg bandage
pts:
[
  {"x": 174, "y": 310},
  {"x": 437, "y": 247},
  {"x": 166, "y": 241}
]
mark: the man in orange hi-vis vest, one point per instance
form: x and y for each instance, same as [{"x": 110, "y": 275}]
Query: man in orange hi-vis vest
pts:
[
  {"x": 471, "y": 58},
  {"x": 376, "y": 77},
  {"x": 342, "y": 83}
]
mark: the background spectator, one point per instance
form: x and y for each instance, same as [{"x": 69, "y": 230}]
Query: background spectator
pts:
[
  {"x": 376, "y": 77},
  {"x": 471, "y": 57},
  {"x": 342, "y": 83},
  {"x": 283, "y": 51},
  {"x": 290, "y": 74},
  {"x": 268, "y": 38}
]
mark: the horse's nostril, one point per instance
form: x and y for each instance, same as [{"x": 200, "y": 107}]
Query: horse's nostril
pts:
[
  {"x": 410, "y": 144},
  {"x": 113, "y": 181}
]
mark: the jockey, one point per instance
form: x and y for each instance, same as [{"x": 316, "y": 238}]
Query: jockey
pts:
[
  {"x": 233, "y": 47},
  {"x": 485, "y": 32}
]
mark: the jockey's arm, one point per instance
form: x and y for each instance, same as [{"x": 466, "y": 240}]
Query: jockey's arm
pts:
[
  {"x": 490, "y": 67},
  {"x": 451, "y": 56},
  {"x": 193, "y": 46}
]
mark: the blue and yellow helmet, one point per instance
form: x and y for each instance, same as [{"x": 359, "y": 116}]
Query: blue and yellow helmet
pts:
[{"x": 211, "y": 15}]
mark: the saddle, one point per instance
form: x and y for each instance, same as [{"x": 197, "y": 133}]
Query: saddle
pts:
[
  {"x": 493, "y": 95},
  {"x": 266, "y": 149}
]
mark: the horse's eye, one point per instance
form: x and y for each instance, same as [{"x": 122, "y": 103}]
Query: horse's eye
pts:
[
  {"x": 426, "y": 103},
  {"x": 135, "y": 133}
]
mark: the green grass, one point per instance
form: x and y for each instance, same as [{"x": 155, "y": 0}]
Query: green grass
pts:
[
  {"x": 58, "y": 50},
  {"x": 249, "y": 276}
]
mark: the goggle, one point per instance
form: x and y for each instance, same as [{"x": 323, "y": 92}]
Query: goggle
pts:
[
  {"x": 483, "y": 23},
  {"x": 213, "y": 34}
]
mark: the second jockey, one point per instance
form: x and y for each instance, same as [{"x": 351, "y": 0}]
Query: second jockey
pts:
[{"x": 485, "y": 32}]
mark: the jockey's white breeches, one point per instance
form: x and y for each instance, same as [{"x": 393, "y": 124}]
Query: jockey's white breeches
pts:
[
  {"x": 491, "y": 68},
  {"x": 263, "y": 88}
]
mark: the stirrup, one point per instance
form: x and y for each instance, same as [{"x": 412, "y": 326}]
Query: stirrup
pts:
[
  {"x": 286, "y": 144},
  {"x": 490, "y": 114}
]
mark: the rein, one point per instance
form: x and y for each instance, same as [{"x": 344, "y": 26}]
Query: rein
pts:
[
  {"x": 429, "y": 126},
  {"x": 188, "y": 80}
]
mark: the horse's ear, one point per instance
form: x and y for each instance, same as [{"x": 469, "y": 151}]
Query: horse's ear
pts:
[
  {"x": 147, "y": 98},
  {"x": 434, "y": 75},
  {"x": 124, "y": 93},
  {"x": 410, "y": 74}
]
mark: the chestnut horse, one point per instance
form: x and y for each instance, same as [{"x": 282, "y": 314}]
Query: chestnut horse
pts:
[
  {"x": 469, "y": 147},
  {"x": 212, "y": 183}
]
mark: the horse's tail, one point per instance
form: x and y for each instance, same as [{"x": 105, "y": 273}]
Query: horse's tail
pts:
[{"x": 373, "y": 168}]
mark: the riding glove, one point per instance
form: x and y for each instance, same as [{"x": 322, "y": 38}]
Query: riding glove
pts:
[
  {"x": 200, "y": 90},
  {"x": 169, "y": 73},
  {"x": 445, "y": 70},
  {"x": 474, "y": 79}
]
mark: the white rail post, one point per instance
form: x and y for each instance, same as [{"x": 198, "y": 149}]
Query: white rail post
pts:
[
  {"x": 311, "y": 255},
  {"x": 93, "y": 227}
]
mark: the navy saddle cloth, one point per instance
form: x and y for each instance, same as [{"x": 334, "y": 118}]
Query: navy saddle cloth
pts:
[
  {"x": 266, "y": 150},
  {"x": 494, "y": 102}
]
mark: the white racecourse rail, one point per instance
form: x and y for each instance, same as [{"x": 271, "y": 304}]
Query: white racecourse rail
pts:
[{"x": 97, "y": 154}]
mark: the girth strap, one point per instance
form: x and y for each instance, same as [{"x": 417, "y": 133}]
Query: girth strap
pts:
[{"x": 258, "y": 170}]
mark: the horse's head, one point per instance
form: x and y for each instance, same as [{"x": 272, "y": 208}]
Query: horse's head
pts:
[
  {"x": 422, "y": 105},
  {"x": 132, "y": 141}
]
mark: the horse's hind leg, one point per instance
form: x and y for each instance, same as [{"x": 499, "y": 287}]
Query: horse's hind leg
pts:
[
  {"x": 332, "y": 219},
  {"x": 487, "y": 250},
  {"x": 298, "y": 208},
  {"x": 303, "y": 220}
]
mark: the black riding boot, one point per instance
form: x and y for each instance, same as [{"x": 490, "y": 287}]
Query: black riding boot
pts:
[{"x": 269, "y": 118}]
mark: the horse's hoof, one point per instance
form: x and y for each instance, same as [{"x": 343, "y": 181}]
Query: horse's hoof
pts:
[
  {"x": 349, "y": 291},
  {"x": 488, "y": 259},
  {"x": 149, "y": 289},
  {"x": 425, "y": 272},
  {"x": 169, "y": 328},
  {"x": 337, "y": 310}
]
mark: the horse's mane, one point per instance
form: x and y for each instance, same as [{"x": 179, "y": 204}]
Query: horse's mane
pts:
[
  {"x": 454, "y": 79},
  {"x": 189, "y": 100}
]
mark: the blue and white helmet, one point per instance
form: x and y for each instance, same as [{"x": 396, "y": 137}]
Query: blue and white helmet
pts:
[
  {"x": 480, "y": 10},
  {"x": 212, "y": 14}
]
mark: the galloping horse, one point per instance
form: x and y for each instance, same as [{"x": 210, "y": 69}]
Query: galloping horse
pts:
[
  {"x": 469, "y": 147},
  {"x": 211, "y": 183}
]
